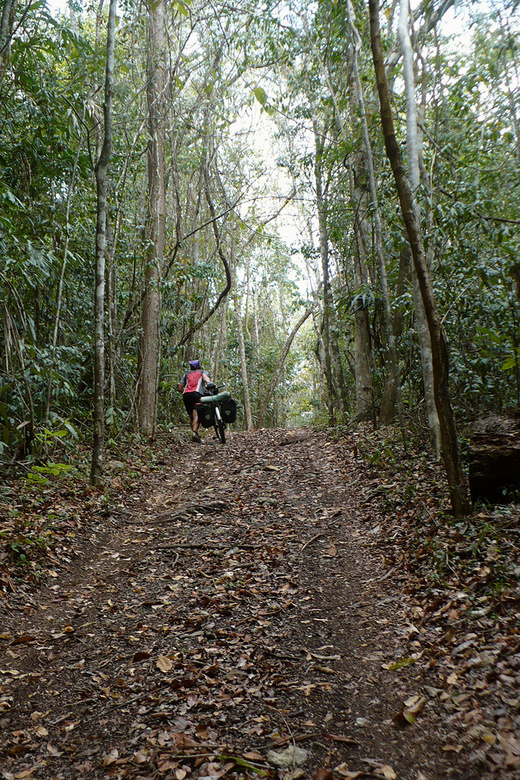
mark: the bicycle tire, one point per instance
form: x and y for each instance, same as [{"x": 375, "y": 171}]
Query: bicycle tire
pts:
[
  {"x": 220, "y": 426},
  {"x": 221, "y": 433}
]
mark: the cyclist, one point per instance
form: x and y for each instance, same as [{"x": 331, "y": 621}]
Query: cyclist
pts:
[{"x": 192, "y": 387}]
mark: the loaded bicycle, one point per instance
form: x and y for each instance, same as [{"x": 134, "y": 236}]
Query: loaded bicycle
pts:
[{"x": 217, "y": 409}]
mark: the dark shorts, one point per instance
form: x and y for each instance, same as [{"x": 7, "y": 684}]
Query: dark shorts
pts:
[{"x": 190, "y": 399}]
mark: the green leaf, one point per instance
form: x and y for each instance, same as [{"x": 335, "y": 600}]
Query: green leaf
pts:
[
  {"x": 509, "y": 363},
  {"x": 261, "y": 95},
  {"x": 244, "y": 763},
  {"x": 401, "y": 664}
]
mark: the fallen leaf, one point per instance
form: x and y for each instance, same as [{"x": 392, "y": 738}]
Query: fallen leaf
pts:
[
  {"x": 21, "y": 640},
  {"x": 164, "y": 663},
  {"x": 111, "y": 758},
  {"x": 291, "y": 756},
  {"x": 345, "y": 772},
  {"x": 323, "y": 774},
  {"x": 385, "y": 771},
  {"x": 141, "y": 655},
  {"x": 416, "y": 707},
  {"x": 401, "y": 664},
  {"x": 331, "y": 551}
]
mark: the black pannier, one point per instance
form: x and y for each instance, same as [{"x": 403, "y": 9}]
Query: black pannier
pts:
[
  {"x": 228, "y": 408},
  {"x": 206, "y": 415}
]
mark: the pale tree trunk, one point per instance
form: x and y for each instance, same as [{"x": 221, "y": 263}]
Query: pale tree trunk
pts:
[
  {"x": 96, "y": 472},
  {"x": 243, "y": 365},
  {"x": 324, "y": 256},
  {"x": 220, "y": 342},
  {"x": 449, "y": 443},
  {"x": 111, "y": 282},
  {"x": 392, "y": 351},
  {"x": 413, "y": 156},
  {"x": 279, "y": 366},
  {"x": 149, "y": 347},
  {"x": 241, "y": 340},
  {"x": 6, "y": 26}
]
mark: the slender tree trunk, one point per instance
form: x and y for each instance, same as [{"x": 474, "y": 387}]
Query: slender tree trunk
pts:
[
  {"x": 363, "y": 354},
  {"x": 392, "y": 351},
  {"x": 219, "y": 343},
  {"x": 363, "y": 368},
  {"x": 278, "y": 370},
  {"x": 413, "y": 156},
  {"x": 388, "y": 400},
  {"x": 243, "y": 365},
  {"x": 149, "y": 348},
  {"x": 6, "y": 25},
  {"x": 241, "y": 340},
  {"x": 324, "y": 256},
  {"x": 449, "y": 442},
  {"x": 96, "y": 473}
]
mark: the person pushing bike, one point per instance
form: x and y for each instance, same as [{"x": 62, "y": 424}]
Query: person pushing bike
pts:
[{"x": 192, "y": 387}]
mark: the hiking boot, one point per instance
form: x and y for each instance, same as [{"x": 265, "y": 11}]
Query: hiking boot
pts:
[{"x": 196, "y": 438}]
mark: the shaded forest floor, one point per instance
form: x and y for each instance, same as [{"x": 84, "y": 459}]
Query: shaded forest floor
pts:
[{"x": 294, "y": 604}]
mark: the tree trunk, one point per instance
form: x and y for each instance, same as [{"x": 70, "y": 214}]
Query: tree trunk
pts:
[
  {"x": 243, "y": 365},
  {"x": 449, "y": 443},
  {"x": 96, "y": 473},
  {"x": 363, "y": 368},
  {"x": 413, "y": 156},
  {"x": 279, "y": 367},
  {"x": 388, "y": 400},
  {"x": 394, "y": 379},
  {"x": 149, "y": 348},
  {"x": 6, "y": 26},
  {"x": 324, "y": 256}
]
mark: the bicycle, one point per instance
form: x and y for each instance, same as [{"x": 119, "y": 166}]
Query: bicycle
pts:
[{"x": 217, "y": 410}]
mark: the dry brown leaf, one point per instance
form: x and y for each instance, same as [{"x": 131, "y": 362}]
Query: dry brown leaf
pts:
[
  {"x": 25, "y": 773},
  {"x": 509, "y": 743},
  {"x": 386, "y": 771},
  {"x": 164, "y": 664},
  {"x": 111, "y": 758},
  {"x": 331, "y": 551},
  {"x": 343, "y": 771},
  {"x": 323, "y": 774},
  {"x": 417, "y": 706}
]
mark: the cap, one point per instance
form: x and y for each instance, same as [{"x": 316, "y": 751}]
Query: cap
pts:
[{"x": 194, "y": 364}]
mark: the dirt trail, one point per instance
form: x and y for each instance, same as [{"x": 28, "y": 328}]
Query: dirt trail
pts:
[{"x": 235, "y": 620}]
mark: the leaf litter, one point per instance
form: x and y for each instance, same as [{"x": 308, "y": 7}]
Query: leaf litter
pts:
[{"x": 305, "y": 610}]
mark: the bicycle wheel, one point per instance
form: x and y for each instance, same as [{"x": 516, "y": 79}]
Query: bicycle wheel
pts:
[{"x": 220, "y": 426}]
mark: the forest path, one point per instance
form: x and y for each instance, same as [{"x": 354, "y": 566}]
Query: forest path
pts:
[{"x": 233, "y": 619}]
